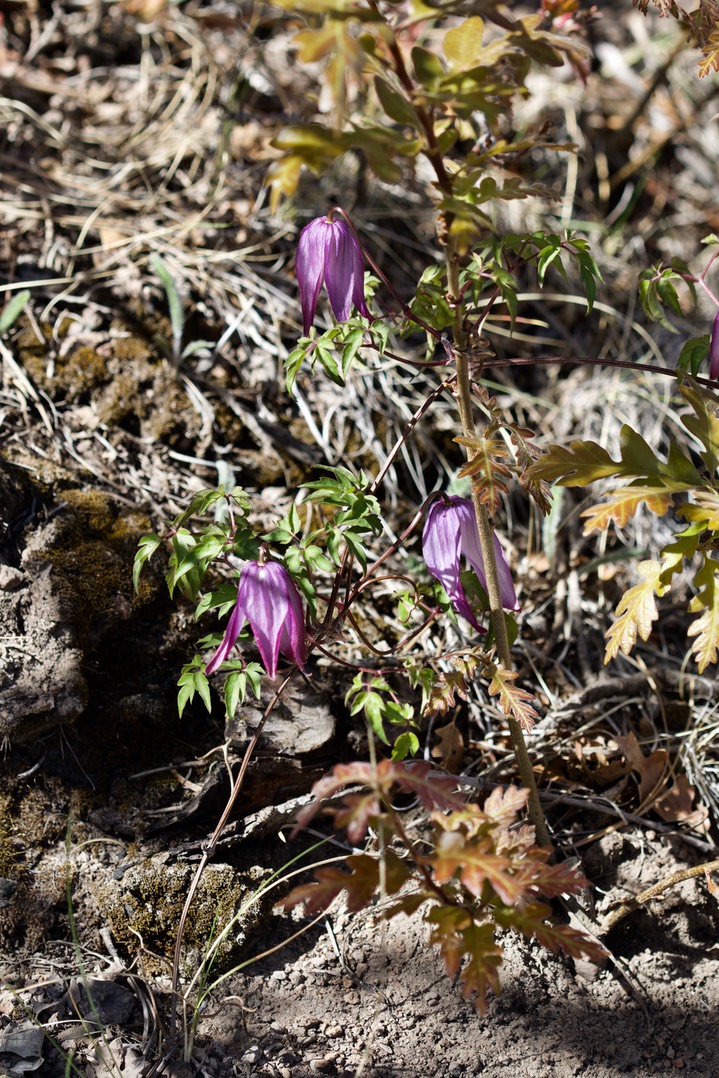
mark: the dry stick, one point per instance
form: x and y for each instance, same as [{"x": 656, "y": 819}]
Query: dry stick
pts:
[
  {"x": 629, "y": 905},
  {"x": 209, "y": 850},
  {"x": 486, "y": 540}
]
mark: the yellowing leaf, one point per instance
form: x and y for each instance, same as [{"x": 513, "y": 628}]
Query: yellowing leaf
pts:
[
  {"x": 463, "y": 46},
  {"x": 704, "y": 510},
  {"x": 312, "y": 45},
  {"x": 636, "y": 612},
  {"x": 621, "y": 504},
  {"x": 486, "y": 469},
  {"x": 576, "y": 465},
  {"x": 283, "y": 177},
  {"x": 512, "y": 700},
  {"x": 706, "y": 631}
]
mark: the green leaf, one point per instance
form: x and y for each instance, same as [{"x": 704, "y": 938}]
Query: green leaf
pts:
[
  {"x": 667, "y": 292},
  {"x": 550, "y": 255},
  {"x": 193, "y": 680},
  {"x": 222, "y": 599},
  {"x": 293, "y": 363},
  {"x": 693, "y": 354},
  {"x": 146, "y": 548},
  {"x": 12, "y": 310},
  {"x": 235, "y": 688},
  {"x": 407, "y": 744},
  {"x": 395, "y": 104},
  {"x": 704, "y": 423},
  {"x": 427, "y": 66},
  {"x": 174, "y": 301},
  {"x": 651, "y": 300}
]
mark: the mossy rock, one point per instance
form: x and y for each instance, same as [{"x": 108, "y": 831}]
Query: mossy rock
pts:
[
  {"x": 147, "y": 903},
  {"x": 72, "y": 587}
]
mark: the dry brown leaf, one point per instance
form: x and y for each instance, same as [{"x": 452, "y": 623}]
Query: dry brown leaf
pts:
[
  {"x": 451, "y": 746},
  {"x": 651, "y": 769},
  {"x": 598, "y": 765},
  {"x": 678, "y": 804}
]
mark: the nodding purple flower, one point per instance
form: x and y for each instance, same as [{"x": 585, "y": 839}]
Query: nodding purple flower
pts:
[
  {"x": 267, "y": 598},
  {"x": 328, "y": 251},
  {"x": 450, "y": 533},
  {"x": 714, "y": 349}
]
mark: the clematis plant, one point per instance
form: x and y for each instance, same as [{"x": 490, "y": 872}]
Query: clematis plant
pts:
[
  {"x": 270, "y": 602},
  {"x": 714, "y": 349},
  {"x": 450, "y": 534},
  {"x": 328, "y": 252}
]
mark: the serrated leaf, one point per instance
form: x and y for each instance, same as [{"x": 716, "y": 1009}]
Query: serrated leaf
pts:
[
  {"x": 703, "y": 510},
  {"x": 704, "y": 423},
  {"x": 636, "y": 611},
  {"x": 578, "y": 464},
  {"x": 705, "y": 629},
  {"x": 486, "y": 469},
  {"x": 476, "y": 864},
  {"x": 480, "y": 974},
  {"x": 584, "y": 462},
  {"x": 511, "y": 699},
  {"x": 533, "y": 921},
  {"x": 619, "y": 506},
  {"x": 504, "y": 805},
  {"x": 435, "y": 792}
]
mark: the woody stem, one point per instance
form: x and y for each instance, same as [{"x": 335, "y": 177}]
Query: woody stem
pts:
[{"x": 486, "y": 539}]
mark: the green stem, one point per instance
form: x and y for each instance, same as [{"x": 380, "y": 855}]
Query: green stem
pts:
[{"x": 486, "y": 539}]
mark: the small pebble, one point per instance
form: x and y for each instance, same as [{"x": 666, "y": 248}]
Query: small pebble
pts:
[{"x": 252, "y": 1055}]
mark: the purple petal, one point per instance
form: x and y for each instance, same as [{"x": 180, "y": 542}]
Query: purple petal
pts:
[
  {"x": 441, "y": 540},
  {"x": 344, "y": 273},
  {"x": 472, "y": 550},
  {"x": 233, "y": 630},
  {"x": 267, "y": 608},
  {"x": 292, "y": 637},
  {"x": 506, "y": 583},
  {"x": 714, "y": 349},
  {"x": 312, "y": 249},
  {"x": 274, "y": 611}
]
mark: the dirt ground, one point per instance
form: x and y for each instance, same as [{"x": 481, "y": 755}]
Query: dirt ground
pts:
[{"x": 137, "y": 129}]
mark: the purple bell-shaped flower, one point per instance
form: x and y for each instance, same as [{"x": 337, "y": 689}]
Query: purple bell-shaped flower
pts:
[
  {"x": 270, "y": 602},
  {"x": 450, "y": 534},
  {"x": 328, "y": 252}
]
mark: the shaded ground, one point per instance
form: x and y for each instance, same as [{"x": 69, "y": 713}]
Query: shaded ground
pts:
[{"x": 125, "y": 138}]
